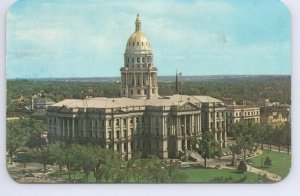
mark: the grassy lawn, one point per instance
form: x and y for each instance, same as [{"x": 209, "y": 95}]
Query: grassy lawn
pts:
[
  {"x": 194, "y": 175},
  {"x": 207, "y": 175},
  {"x": 281, "y": 162},
  {"x": 78, "y": 176}
]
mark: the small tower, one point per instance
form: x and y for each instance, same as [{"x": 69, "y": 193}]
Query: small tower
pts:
[{"x": 139, "y": 74}]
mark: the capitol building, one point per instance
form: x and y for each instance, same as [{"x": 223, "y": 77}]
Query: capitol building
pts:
[{"x": 140, "y": 121}]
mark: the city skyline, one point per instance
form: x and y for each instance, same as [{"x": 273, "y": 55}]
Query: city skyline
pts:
[{"x": 57, "y": 39}]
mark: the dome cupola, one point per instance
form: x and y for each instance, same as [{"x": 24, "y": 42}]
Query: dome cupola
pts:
[
  {"x": 139, "y": 74},
  {"x": 138, "y": 43}
]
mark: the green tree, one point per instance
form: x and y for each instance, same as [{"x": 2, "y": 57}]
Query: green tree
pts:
[
  {"x": 235, "y": 149},
  {"x": 243, "y": 133},
  {"x": 242, "y": 167},
  {"x": 35, "y": 140},
  {"x": 18, "y": 133},
  {"x": 207, "y": 147},
  {"x": 57, "y": 154},
  {"x": 43, "y": 156}
]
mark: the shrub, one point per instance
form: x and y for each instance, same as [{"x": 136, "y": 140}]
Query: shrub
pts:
[
  {"x": 242, "y": 167},
  {"x": 268, "y": 162}
]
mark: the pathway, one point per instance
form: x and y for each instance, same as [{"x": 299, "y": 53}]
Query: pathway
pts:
[{"x": 261, "y": 172}]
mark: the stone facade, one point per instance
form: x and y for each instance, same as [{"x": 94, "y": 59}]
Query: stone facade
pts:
[
  {"x": 141, "y": 121},
  {"x": 236, "y": 113}
]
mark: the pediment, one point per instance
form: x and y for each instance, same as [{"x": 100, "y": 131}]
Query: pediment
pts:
[
  {"x": 64, "y": 109},
  {"x": 119, "y": 111},
  {"x": 188, "y": 107}
]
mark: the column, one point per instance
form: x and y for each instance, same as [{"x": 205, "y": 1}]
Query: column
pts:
[
  {"x": 122, "y": 150},
  {"x": 84, "y": 128},
  {"x": 134, "y": 76},
  {"x": 63, "y": 127},
  {"x": 68, "y": 127},
  {"x": 193, "y": 124},
  {"x": 184, "y": 125},
  {"x": 93, "y": 133},
  {"x": 163, "y": 125},
  {"x": 73, "y": 127},
  {"x": 99, "y": 128},
  {"x": 57, "y": 127},
  {"x": 225, "y": 136}
]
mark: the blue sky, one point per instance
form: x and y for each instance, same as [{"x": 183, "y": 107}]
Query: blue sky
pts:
[{"x": 75, "y": 38}]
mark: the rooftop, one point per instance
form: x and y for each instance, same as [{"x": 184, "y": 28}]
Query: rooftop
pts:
[
  {"x": 104, "y": 102},
  {"x": 237, "y": 107}
]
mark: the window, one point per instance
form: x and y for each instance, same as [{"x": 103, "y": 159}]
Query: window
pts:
[
  {"x": 143, "y": 59},
  {"x": 144, "y": 81},
  {"x": 138, "y": 59},
  {"x": 109, "y": 135},
  {"x": 137, "y": 43},
  {"x": 133, "y": 43},
  {"x": 109, "y": 123},
  {"x": 131, "y": 121},
  {"x": 124, "y": 122},
  {"x": 218, "y": 114},
  {"x": 132, "y": 60},
  {"x": 152, "y": 91},
  {"x": 131, "y": 131},
  {"x": 145, "y": 92},
  {"x": 118, "y": 134},
  {"x": 142, "y": 43},
  {"x": 124, "y": 133},
  {"x": 139, "y": 92},
  {"x": 131, "y": 91},
  {"x": 118, "y": 122}
]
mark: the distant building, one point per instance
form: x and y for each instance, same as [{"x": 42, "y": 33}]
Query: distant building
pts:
[
  {"x": 236, "y": 113},
  {"x": 276, "y": 115},
  {"x": 43, "y": 103},
  {"x": 140, "y": 121},
  {"x": 39, "y": 105}
]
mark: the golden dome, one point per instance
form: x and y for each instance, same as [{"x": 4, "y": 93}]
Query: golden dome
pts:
[{"x": 138, "y": 41}]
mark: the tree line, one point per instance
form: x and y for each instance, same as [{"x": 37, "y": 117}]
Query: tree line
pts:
[
  {"x": 240, "y": 89},
  {"x": 250, "y": 136}
]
